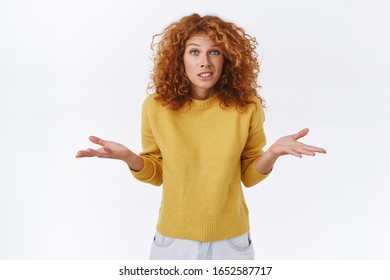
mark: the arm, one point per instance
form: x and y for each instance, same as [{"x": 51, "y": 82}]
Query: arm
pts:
[
  {"x": 112, "y": 150},
  {"x": 147, "y": 167},
  {"x": 287, "y": 145},
  {"x": 151, "y": 154},
  {"x": 253, "y": 149}
]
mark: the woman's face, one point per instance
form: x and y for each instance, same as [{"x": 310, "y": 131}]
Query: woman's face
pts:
[{"x": 203, "y": 62}]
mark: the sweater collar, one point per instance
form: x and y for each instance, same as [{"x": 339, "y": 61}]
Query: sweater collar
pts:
[{"x": 204, "y": 104}]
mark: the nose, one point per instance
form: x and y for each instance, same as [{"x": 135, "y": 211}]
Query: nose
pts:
[{"x": 205, "y": 62}]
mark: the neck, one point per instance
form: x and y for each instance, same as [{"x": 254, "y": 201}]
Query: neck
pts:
[{"x": 202, "y": 94}]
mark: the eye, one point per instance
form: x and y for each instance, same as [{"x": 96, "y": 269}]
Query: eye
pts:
[
  {"x": 194, "y": 52},
  {"x": 215, "y": 52}
]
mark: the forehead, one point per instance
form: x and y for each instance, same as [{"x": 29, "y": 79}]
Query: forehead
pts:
[{"x": 200, "y": 39}]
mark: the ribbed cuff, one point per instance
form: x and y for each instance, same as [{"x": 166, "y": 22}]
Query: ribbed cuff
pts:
[
  {"x": 146, "y": 172},
  {"x": 253, "y": 176}
]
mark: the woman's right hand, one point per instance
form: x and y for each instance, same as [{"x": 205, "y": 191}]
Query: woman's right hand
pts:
[{"x": 112, "y": 150}]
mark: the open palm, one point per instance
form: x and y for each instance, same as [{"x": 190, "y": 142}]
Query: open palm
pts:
[
  {"x": 289, "y": 145},
  {"x": 109, "y": 149}
]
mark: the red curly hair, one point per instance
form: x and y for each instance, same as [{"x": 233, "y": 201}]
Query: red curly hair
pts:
[{"x": 238, "y": 82}]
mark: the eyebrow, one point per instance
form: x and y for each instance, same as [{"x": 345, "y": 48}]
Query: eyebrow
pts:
[{"x": 213, "y": 46}]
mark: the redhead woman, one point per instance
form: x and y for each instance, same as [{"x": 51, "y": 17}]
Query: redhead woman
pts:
[{"x": 203, "y": 139}]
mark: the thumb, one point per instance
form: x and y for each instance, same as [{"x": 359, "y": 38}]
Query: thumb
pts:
[
  {"x": 108, "y": 150},
  {"x": 301, "y": 133},
  {"x": 96, "y": 140}
]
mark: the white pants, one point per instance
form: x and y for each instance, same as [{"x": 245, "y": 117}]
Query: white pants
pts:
[{"x": 236, "y": 248}]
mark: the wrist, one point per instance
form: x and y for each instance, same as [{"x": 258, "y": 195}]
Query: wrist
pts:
[
  {"x": 129, "y": 157},
  {"x": 271, "y": 154},
  {"x": 265, "y": 163},
  {"x": 134, "y": 161}
]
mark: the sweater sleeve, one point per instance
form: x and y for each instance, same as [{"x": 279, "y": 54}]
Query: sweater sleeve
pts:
[
  {"x": 253, "y": 149},
  {"x": 151, "y": 154}
]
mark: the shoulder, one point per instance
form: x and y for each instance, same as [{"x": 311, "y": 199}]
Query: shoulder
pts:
[
  {"x": 149, "y": 99},
  {"x": 150, "y": 102},
  {"x": 153, "y": 106},
  {"x": 257, "y": 101},
  {"x": 256, "y": 108}
]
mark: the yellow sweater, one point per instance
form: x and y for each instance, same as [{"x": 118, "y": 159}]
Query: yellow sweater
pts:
[{"x": 201, "y": 155}]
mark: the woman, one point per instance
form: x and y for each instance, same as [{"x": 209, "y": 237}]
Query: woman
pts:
[{"x": 202, "y": 135}]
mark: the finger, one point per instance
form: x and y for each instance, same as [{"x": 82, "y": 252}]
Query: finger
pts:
[
  {"x": 98, "y": 153},
  {"x": 316, "y": 149},
  {"x": 97, "y": 140},
  {"x": 81, "y": 154},
  {"x": 306, "y": 152},
  {"x": 313, "y": 148},
  {"x": 295, "y": 153},
  {"x": 301, "y": 133}
]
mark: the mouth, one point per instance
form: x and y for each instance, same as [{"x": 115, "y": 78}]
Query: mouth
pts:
[{"x": 205, "y": 75}]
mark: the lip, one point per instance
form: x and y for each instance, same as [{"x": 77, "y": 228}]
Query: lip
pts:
[{"x": 205, "y": 78}]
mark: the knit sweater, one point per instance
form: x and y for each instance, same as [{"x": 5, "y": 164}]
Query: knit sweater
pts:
[{"x": 200, "y": 155}]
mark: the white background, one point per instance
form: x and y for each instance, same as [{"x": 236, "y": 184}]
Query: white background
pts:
[{"x": 70, "y": 69}]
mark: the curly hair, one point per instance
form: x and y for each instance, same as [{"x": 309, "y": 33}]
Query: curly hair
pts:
[{"x": 238, "y": 82}]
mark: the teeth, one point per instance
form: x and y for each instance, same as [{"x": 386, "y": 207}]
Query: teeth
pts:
[{"x": 205, "y": 75}]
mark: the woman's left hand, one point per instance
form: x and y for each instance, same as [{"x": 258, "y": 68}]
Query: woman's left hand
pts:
[{"x": 288, "y": 145}]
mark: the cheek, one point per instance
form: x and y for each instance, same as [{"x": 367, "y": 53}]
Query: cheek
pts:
[
  {"x": 220, "y": 65},
  {"x": 187, "y": 66},
  {"x": 222, "y": 61}
]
